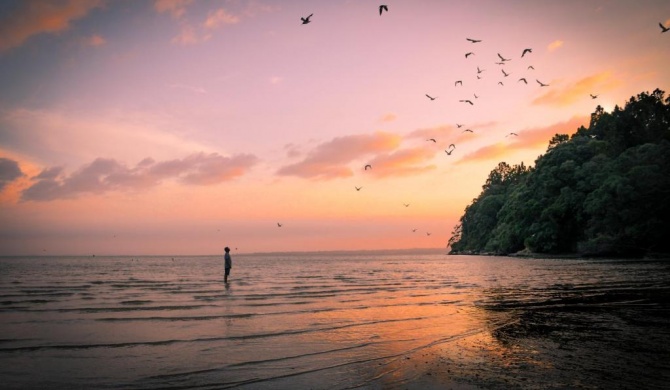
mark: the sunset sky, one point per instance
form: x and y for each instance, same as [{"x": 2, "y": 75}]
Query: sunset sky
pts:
[{"x": 183, "y": 126}]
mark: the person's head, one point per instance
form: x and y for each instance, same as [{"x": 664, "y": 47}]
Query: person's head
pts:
[{"x": 226, "y": 249}]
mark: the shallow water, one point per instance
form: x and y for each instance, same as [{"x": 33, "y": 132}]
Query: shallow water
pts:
[{"x": 332, "y": 321}]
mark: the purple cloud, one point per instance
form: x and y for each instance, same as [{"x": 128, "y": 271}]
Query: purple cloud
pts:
[
  {"x": 103, "y": 175},
  {"x": 9, "y": 171}
]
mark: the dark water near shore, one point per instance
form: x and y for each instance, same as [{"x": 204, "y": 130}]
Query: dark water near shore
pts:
[{"x": 333, "y": 322}]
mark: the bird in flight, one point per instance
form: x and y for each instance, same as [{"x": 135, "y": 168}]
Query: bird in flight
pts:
[
  {"x": 523, "y": 79},
  {"x": 501, "y": 83},
  {"x": 473, "y": 40},
  {"x": 663, "y": 28},
  {"x": 368, "y": 166},
  {"x": 593, "y": 96},
  {"x": 503, "y": 59},
  {"x": 279, "y": 224},
  {"x": 468, "y": 54},
  {"x": 428, "y": 234},
  {"x": 468, "y": 130},
  {"x": 541, "y": 83},
  {"x": 467, "y": 101},
  {"x": 459, "y": 125},
  {"x": 406, "y": 204},
  {"x": 450, "y": 149},
  {"x": 358, "y": 188},
  {"x": 531, "y": 67},
  {"x": 458, "y": 82},
  {"x": 306, "y": 20},
  {"x": 480, "y": 70},
  {"x": 430, "y": 97},
  {"x": 476, "y": 97},
  {"x": 514, "y": 134},
  {"x": 431, "y": 139},
  {"x": 505, "y": 73},
  {"x": 526, "y": 51},
  {"x": 383, "y": 7}
]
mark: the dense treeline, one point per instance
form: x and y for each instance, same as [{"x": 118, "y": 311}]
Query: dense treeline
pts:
[{"x": 603, "y": 191}]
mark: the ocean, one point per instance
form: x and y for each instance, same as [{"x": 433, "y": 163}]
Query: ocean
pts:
[{"x": 333, "y": 321}]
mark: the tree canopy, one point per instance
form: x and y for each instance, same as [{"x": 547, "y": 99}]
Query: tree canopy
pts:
[{"x": 605, "y": 190}]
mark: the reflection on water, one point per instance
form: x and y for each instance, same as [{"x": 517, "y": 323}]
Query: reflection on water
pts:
[{"x": 332, "y": 322}]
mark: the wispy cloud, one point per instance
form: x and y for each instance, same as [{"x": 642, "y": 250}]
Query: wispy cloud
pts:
[
  {"x": 529, "y": 139},
  {"x": 595, "y": 84},
  {"x": 41, "y": 16},
  {"x": 389, "y": 117},
  {"x": 176, "y": 8},
  {"x": 555, "y": 45},
  {"x": 93, "y": 41},
  {"x": 220, "y": 17},
  {"x": 404, "y": 162},
  {"x": 9, "y": 171},
  {"x": 104, "y": 175},
  {"x": 331, "y": 159}
]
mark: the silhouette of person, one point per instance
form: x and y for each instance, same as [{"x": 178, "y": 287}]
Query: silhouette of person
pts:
[{"x": 228, "y": 264}]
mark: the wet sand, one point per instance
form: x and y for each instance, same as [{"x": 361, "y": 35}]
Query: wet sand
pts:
[{"x": 615, "y": 338}]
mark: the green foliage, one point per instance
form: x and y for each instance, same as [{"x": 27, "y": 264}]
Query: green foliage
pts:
[{"x": 603, "y": 191}]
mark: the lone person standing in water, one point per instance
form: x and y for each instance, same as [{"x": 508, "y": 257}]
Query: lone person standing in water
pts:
[{"x": 229, "y": 264}]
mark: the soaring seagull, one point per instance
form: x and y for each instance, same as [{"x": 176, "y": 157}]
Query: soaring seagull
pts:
[
  {"x": 480, "y": 70},
  {"x": 467, "y": 101},
  {"x": 593, "y": 96},
  {"x": 473, "y": 40},
  {"x": 541, "y": 83},
  {"x": 514, "y": 134},
  {"x": 523, "y": 79},
  {"x": 526, "y": 51},
  {"x": 430, "y": 97},
  {"x": 663, "y": 28},
  {"x": 503, "y": 59},
  {"x": 505, "y": 73},
  {"x": 358, "y": 188},
  {"x": 368, "y": 166},
  {"x": 450, "y": 149},
  {"x": 468, "y": 130},
  {"x": 458, "y": 82},
  {"x": 531, "y": 67},
  {"x": 459, "y": 125},
  {"x": 431, "y": 139},
  {"x": 383, "y": 7},
  {"x": 279, "y": 224},
  {"x": 306, "y": 20},
  {"x": 468, "y": 54}
]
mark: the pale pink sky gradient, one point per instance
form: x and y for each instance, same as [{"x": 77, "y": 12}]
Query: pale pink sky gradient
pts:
[{"x": 181, "y": 127}]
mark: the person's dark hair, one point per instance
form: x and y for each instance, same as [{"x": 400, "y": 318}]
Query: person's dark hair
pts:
[{"x": 226, "y": 249}]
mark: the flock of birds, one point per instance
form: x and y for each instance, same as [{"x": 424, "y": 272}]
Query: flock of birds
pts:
[{"x": 502, "y": 61}]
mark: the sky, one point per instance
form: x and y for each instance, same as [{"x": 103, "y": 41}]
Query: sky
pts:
[{"x": 173, "y": 127}]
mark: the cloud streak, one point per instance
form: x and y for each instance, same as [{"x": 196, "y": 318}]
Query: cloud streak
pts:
[
  {"x": 37, "y": 17},
  {"x": 105, "y": 175},
  {"x": 594, "y": 84},
  {"x": 330, "y": 160},
  {"x": 530, "y": 139}
]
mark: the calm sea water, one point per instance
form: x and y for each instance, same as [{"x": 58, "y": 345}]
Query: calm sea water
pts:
[{"x": 283, "y": 321}]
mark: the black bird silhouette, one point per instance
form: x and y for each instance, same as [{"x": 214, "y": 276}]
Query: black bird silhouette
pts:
[
  {"x": 450, "y": 149},
  {"x": 473, "y": 40},
  {"x": 358, "y": 188},
  {"x": 476, "y": 97},
  {"x": 478, "y": 78},
  {"x": 467, "y": 101},
  {"x": 503, "y": 59},
  {"x": 468, "y": 54},
  {"x": 531, "y": 67},
  {"x": 458, "y": 125},
  {"x": 663, "y": 28},
  {"x": 506, "y": 74},
  {"x": 523, "y": 79},
  {"x": 431, "y": 139},
  {"x": 368, "y": 166},
  {"x": 515, "y": 134},
  {"x": 458, "y": 82},
  {"x": 306, "y": 20},
  {"x": 406, "y": 204},
  {"x": 500, "y": 63},
  {"x": 501, "y": 83},
  {"x": 468, "y": 130},
  {"x": 593, "y": 96},
  {"x": 383, "y": 7},
  {"x": 526, "y": 51},
  {"x": 279, "y": 224},
  {"x": 541, "y": 83},
  {"x": 480, "y": 70},
  {"x": 428, "y": 234},
  {"x": 430, "y": 97},
  {"x": 414, "y": 230}
]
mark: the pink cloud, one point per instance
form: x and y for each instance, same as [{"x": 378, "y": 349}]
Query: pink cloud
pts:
[
  {"x": 41, "y": 16},
  {"x": 176, "y": 8},
  {"x": 594, "y": 84},
  {"x": 94, "y": 40},
  {"x": 104, "y": 175},
  {"x": 219, "y": 17},
  {"x": 330, "y": 160},
  {"x": 9, "y": 171},
  {"x": 403, "y": 162},
  {"x": 529, "y": 139}
]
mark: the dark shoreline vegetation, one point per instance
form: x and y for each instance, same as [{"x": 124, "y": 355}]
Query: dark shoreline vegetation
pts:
[{"x": 604, "y": 191}]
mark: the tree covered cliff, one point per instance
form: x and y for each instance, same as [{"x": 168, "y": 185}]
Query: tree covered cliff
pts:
[{"x": 605, "y": 190}]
